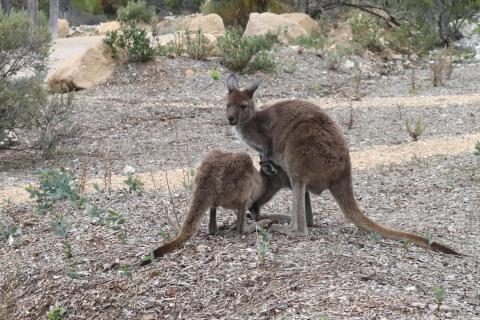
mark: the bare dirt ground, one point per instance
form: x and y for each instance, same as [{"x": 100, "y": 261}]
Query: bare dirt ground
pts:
[{"x": 156, "y": 118}]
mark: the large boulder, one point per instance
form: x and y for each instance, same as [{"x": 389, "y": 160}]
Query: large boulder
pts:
[
  {"x": 261, "y": 23},
  {"x": 304, "y": 20},
  {"x": 210, "y": 23},
  {"x": 63, "y": 28},
  {"x": 105, "y": 27},
  {"x": 85, "y": 70}
]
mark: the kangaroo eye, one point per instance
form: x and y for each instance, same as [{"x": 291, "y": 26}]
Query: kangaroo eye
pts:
[{"x": 243, "y": 106}]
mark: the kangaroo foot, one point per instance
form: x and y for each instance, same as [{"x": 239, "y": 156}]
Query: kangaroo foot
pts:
[
  {"x": 278, "y": 218},
  {"x": 264, "y": 223},
  {"x": 280, "y": 228}
]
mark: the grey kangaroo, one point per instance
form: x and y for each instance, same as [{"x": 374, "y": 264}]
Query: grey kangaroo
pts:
[
  {"x": 307, "y": 144},
  {"x": 228, "y": 180}
]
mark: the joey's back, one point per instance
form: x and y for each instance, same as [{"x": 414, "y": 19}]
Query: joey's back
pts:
[{"x": 228, "y": 178}]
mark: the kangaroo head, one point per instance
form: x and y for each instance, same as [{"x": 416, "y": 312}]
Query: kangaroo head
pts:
[{"x": 240, "y": 105}]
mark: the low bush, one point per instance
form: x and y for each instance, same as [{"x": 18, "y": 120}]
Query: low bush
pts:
[
  {"x": 20, "y": 51},
  {"x": 133, "y": 41},
  {"x": 314, "y": 40},
  {"x": 135, "y": 11},
  {"x": 336, "y": 56},
  {"x": 247, "y": 53},
  {"x": 196, "y": 45}
]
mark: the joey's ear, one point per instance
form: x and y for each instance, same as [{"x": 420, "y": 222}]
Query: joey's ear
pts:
[
  {"x": 232, "y": 83},
  {"x": 253, "y": 87}
]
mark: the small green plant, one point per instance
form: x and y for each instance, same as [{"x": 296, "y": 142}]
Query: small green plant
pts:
[
  {"x": 215, "y": 74},
  {"x": 67, "y": 250},
  {"x": 417, "y": 131},
  {"x": 56, "y": 313},
  {"x": 7, "y": 232},
  {"x": 290, "y": 66},
  {"x": 429, "y": 237},
  {"x": 246, "y": 54},
  {"x": 133, "y": 41},
  {"x": 115, "y": 219},
  {"x": 133, "y": 183},
  {"x": 189, "y": 180},
  {"x": 407, "y": 244},
  {"x": 336, "y": 56},
  {"x": 96, "y": 213},
  {"x": 135, "y": 11},
  {"x": 73, "y": 274},
  {"x": 263, "y": 240},
  {"x": 55, "y": 186},
  {"x": 60, "y": 226},
  {"x": 439, "y": 294},
  {"x": 314, "y": 40},
  {"x": 317, "y": 87},
  {"x": 125, "y": 271},
  {"x": 376, "y": 236},
  {"x": 477, "y": 149},
  {"x": 197, "y": 46}
]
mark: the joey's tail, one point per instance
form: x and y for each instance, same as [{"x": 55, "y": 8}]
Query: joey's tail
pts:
[
  {"x": 343, "y": 193},
  {"x": 190, "y": 226}
]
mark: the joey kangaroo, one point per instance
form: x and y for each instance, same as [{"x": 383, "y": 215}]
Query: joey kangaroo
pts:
[
  {"x": 307, "y": 144},
  {"x": 228, "y": 180}
]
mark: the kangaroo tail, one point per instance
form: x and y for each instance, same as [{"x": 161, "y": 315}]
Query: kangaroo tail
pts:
[
  {"x": 343, "y": 193},
  {"x": 190, "y": 226}
]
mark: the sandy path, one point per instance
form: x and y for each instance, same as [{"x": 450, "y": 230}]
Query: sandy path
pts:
[
  {"x": 362, "y": 159},
  {"x": 63, "y": 48}
]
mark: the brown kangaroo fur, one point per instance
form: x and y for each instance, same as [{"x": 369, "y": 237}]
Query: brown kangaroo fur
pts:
[
  {"x": 227, "y": 180},
  {"x": 307, "y": 144}
]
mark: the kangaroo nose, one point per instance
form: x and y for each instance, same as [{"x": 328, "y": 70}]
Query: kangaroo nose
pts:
[{"x": 232, "y": 120}]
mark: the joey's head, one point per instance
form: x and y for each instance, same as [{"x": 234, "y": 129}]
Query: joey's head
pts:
[{"x": 240, "y": 105}]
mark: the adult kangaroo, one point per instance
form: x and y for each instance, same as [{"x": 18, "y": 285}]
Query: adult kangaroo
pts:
[
  {"x": 228, "y": 180},
  {"x": 309, "y": 146}
]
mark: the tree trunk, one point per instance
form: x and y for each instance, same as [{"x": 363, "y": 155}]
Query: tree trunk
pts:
[
  {"x": 33, "y": 12},
  {"x": 53, "y": 17},
  {"x": 5, "y": 6}
]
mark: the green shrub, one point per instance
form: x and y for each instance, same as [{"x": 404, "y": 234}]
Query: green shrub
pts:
[
  {"x": 246, "y": 53},
  {"x": 367, "y": 32},
  {"x": 55, "y": 186},
  {"x": 196, "y": 45},
  {"x": 173, "y": 47},
  {"x": 314, "y": 40},
  {"x": 133, "y": 41},
  {"x": 54, "y": 121},
  {"x": 20, "y": 50},
  {"x": 135, "y": 11}
]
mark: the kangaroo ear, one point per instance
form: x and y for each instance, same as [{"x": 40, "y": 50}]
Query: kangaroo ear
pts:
[
  {"x": 253, "y": 87},
  {"x": 232, "y": 83}
]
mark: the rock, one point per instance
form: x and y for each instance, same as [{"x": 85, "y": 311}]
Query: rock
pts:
[
  {"x": 63, "y": 28},
  {"x": 261, "y": 23},
  {"x": 105, "y": 27},
  {"x": 85, "y": 70},
  {"x": 304, "y": 20},
  {"x": 188, "y": 73},
  {"x": 418, "y": 304},
  {"x": 348, "y": 64},
  {"x": 411, "y": 289},
  {"x": 210, "y": 23},
  {"x": 445, "y": 308},
  {"x": 149, "y": 316},
  {"x": 201, "y": 248}
]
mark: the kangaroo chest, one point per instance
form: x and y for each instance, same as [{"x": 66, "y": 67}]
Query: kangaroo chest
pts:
[{"x": 246, "y": 137}]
